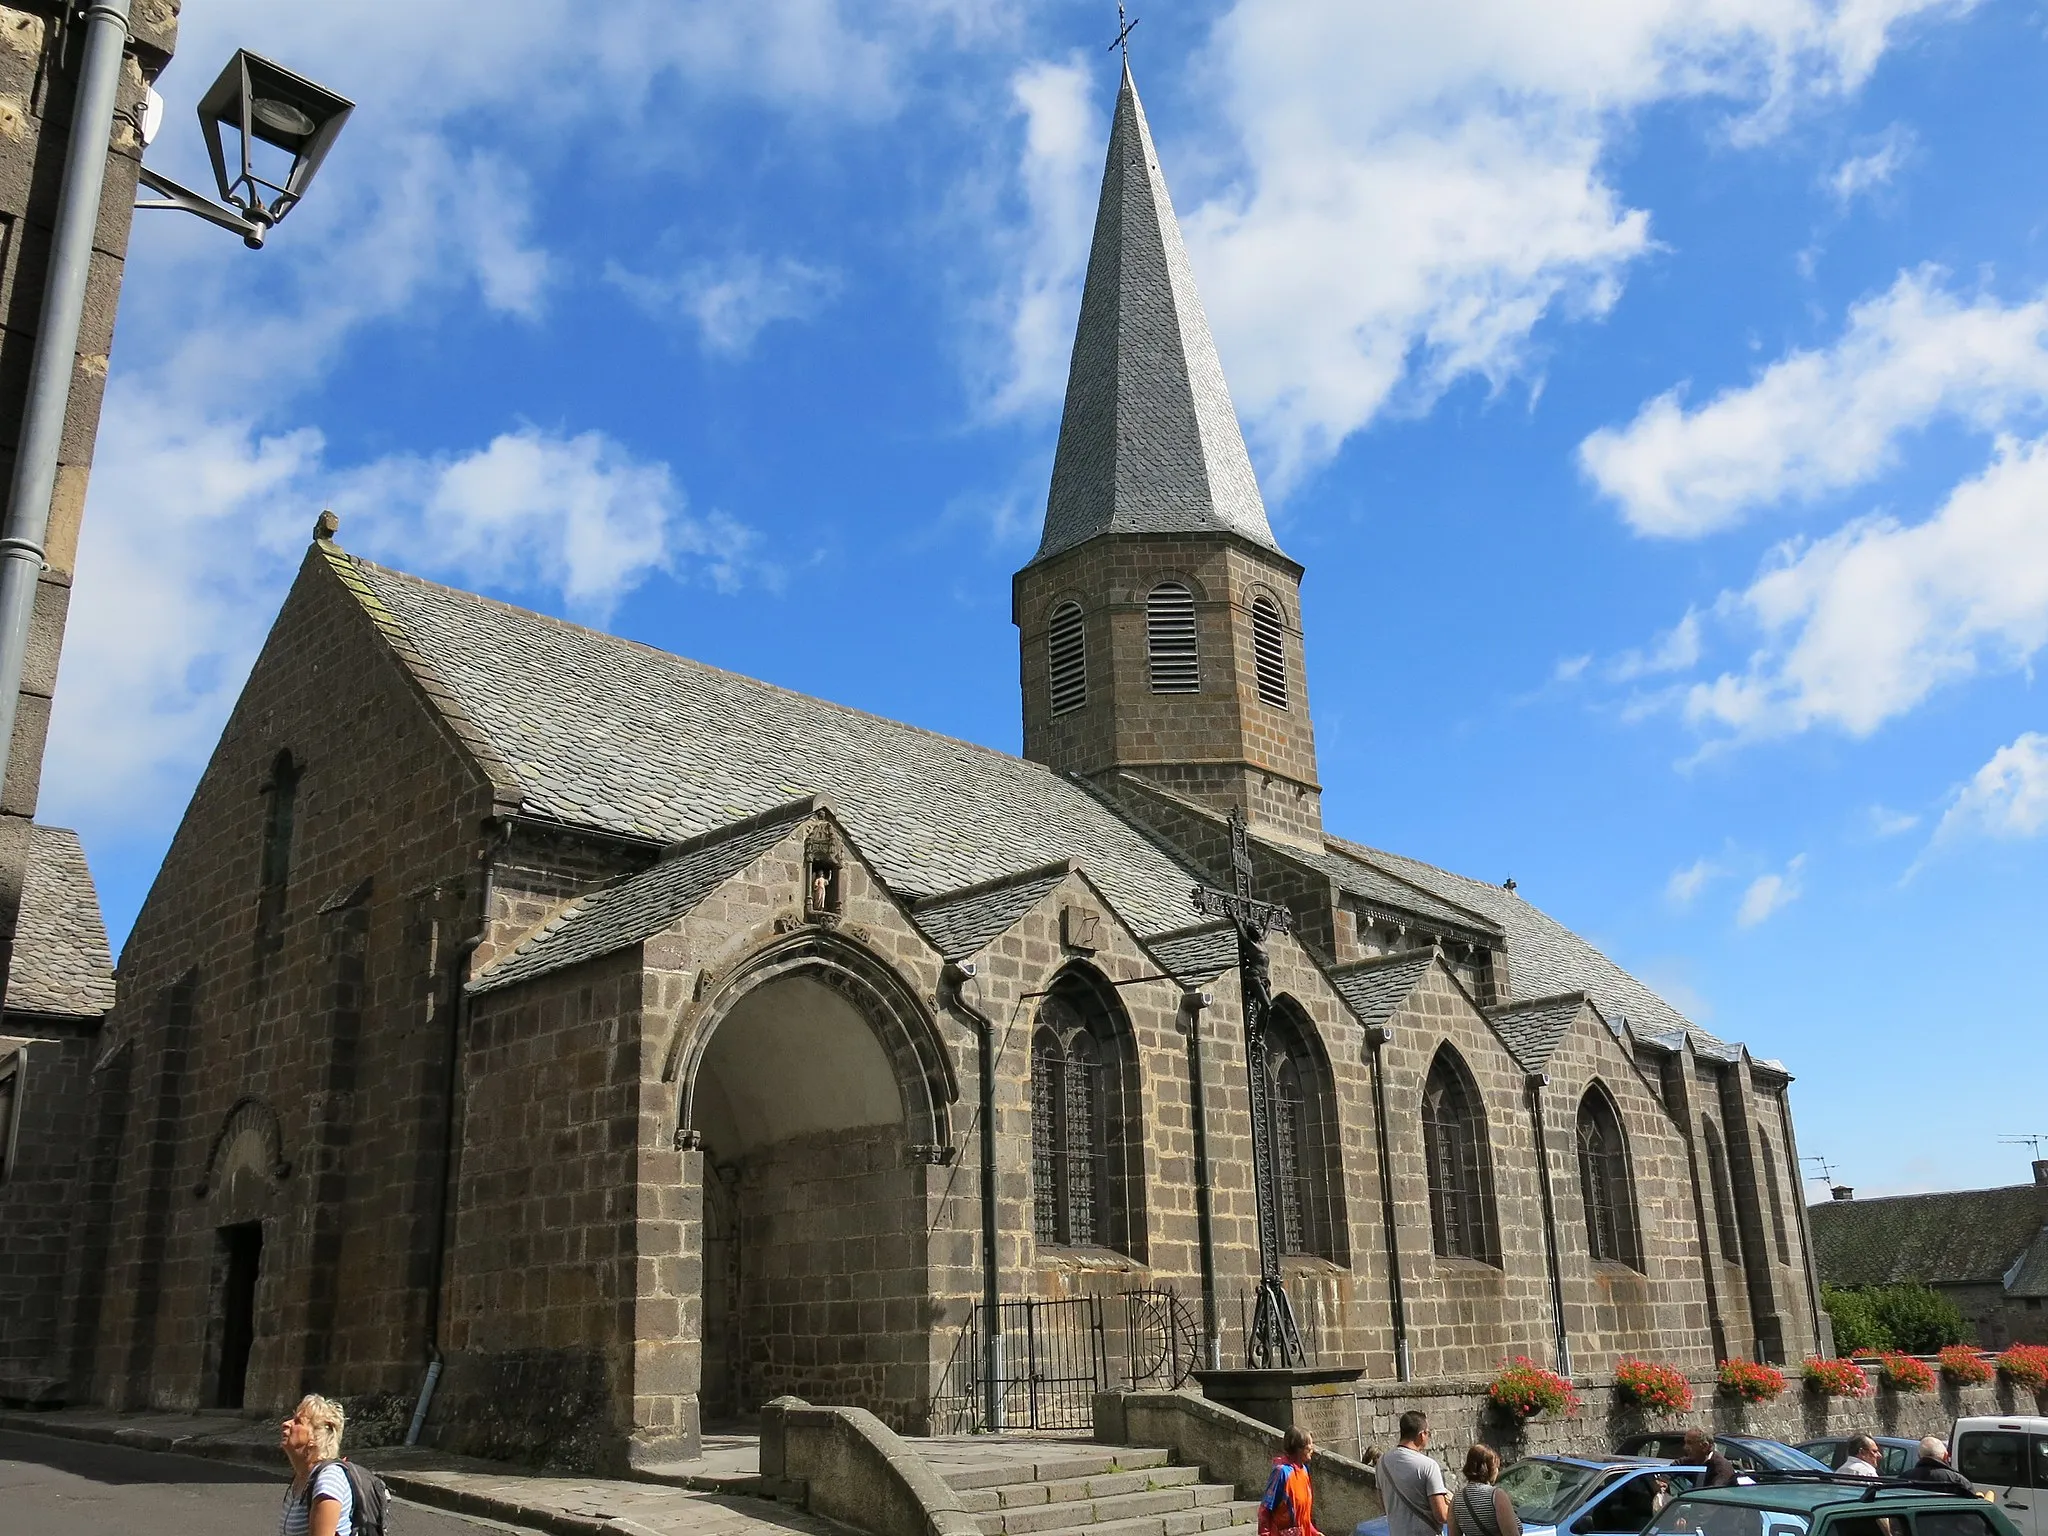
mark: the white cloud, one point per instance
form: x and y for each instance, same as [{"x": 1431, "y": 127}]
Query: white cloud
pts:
[
  {"x": 1769, "y": 894},
  {"x": 1685, "y": 885},
  {"x": 2007, "y": 797},
  {"x": 1822, "y": 421},
  {"x": 1676, "y": 650},
  {"x": 1859, "y": 627},
  {"x": 731, "y": 302},
  {"x": 1875, "y": 167},
  {"x": 1885, "y": 822},
  {"x": 1399, "y": 194}
]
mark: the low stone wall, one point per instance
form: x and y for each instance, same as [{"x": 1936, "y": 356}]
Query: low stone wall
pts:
[{"x": 854, "y": 1469}]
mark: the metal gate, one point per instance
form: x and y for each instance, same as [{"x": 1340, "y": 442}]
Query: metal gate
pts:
[{"x": 1058, "y": 1354}]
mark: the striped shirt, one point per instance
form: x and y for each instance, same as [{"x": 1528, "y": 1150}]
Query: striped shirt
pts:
[{"x": 330, "y": 1482}]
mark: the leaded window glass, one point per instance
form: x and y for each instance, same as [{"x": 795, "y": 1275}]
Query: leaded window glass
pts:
[
  {"x": 1460, "y": 1179},
  {"x": 1604, "y": 1183}
]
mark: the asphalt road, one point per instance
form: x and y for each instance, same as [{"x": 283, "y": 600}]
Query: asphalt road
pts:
[{"x": 53, "y": 1487}]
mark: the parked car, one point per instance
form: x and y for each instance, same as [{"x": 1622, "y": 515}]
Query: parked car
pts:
[
  {"x": 1895, "y": 1453},
  {"x": 2008, "y": 1459},
  {"x": 1827, "y": 1506},
  {"x": 1583, "y": 1495},
  {"x": 1750, "y": 1453}
]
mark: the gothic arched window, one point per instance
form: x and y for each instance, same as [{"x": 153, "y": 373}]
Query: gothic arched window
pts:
[
  {"x": 1777, "y": 1200},
  {"x": 1604, "y": 1182},
  {"x": 1269, "y": 650},
  {"x": 1083, "y": 1192},
  {"x": 1724, "y": 1195},
  {"x": 1066, "y": 647},
  {"x": 1306, "y": 1146},
  {"x": 1170, "y": 649},
  {"x": 1460, "y": 1174}
]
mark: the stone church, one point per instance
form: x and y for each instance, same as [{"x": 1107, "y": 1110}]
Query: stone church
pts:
[{"x": 626, "y": 1040}]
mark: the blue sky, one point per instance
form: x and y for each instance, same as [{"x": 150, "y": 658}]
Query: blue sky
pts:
[{"x": 1656, "y": 391}]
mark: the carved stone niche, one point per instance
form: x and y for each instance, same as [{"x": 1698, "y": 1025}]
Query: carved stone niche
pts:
[{"x": 824, "y": 885}]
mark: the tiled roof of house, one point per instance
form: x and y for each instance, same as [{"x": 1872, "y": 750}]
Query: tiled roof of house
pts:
[
  {"x": 963, "y": 922},
  {"x": 1375, "y": 988},
  {"x": 1960, "y": 1237},
  {"x": 2029, "y": 1276},
  {"x": 1149, "y": 440},
  {"x": 1532, "y": 1029},
  {"x": 627, "y": 911},
  {"x": 61, "y": 962},
  {"x": 603, "y": 732}
]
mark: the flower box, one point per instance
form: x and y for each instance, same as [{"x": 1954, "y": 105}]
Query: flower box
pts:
[
  {"x": 1750, "y": 1381},
  {"x": 1524, "y": 1389},
  {"x": 1660, "y": 1388},
  {"x": 1966, "y": 1367},
  {"x": 1835, "y": 1378},
  {"x": 1903, "y": 1373},
  {"x": 2025, "y": 1365}
]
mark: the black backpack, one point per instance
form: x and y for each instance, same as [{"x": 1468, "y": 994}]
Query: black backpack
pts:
[{"x": 371, "y": 1499}]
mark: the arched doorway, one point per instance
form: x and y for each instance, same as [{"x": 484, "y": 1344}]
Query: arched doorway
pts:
[{"x": 814, "y": 1249}]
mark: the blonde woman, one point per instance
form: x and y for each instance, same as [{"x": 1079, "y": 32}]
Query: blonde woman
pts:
[{"x": 320, "y": 1501}]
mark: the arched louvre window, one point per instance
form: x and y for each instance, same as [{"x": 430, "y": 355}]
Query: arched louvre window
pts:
[
  {"x": 1604, "y": 1183},
  {"x": 1081, "y": 1181},
  {"x": 1724, "y": 1195},
  {"x": 1777, "y": 1200},
  {"x": 1460, "y": 1175},
  {"x": 1170, "y": 648},
  {"x": 1306, "y": 1146},
  {"x": 1066, "y": 645},
  {"x": 274, "y": 870},
  {"x": 1269, "y": 651}
]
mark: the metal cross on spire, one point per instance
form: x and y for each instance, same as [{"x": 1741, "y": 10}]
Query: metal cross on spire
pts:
[
  {"x": 1275, "y": 1340},
  {"x": 1123, "y": 31}
]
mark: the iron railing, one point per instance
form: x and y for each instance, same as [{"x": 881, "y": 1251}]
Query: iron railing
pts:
[{"x": 1058, "y": 1354}]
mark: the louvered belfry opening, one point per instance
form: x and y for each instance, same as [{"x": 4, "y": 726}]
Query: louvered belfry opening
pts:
[
  {"x": 1066, "y": 646},
  {"x": 1460, "y": 1176},
  {"x": 1604, "y": 1182},
  {"x": 1269, "y": 651},
  {"x": 1170, "y": 640}
]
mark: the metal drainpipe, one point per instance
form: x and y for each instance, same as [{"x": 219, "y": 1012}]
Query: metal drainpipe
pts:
[
  {"x": 953, "y": 978},
  {"x": 1536, "y": 1083},
  {"x": 49, "y": 388},
  {"x": 1192, "y": 1004},
  {"x": 497, "y": 832},
  {"x": 1377, "y": 1039}
]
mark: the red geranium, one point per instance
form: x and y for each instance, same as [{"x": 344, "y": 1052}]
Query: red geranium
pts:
[
  {"x": 1525, "y": 1389},
  {"x": 2026, "y": 1365},
  {"x": 1835, "y": 1378},
  {"x": 1662, "y": 1387},
  {"x": 1965, "y": 1366},
  {"x": 1751, "y": 1382},
  {"x": 1902, "y": 1373}
]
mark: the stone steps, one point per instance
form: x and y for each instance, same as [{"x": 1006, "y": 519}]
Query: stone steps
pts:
[{"x": 1106, "y": 1491}]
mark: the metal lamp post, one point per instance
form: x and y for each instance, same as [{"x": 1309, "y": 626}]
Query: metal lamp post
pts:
[{"x": 266, "y": 104}]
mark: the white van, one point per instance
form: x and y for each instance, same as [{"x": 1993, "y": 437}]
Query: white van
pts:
[{"x": 2008, "y": 1459}]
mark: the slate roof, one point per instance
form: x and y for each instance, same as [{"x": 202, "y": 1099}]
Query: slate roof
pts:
[
  {"x": 1960, "y": 1237},
  {"x": 61, "y": 962},
  {"x": 961, "y": 923},
  {"x": 1198, "y": 955},
  {"x": 1532, "y": 1029},
  {"x": 603, "y": 732},
  {"x": 614, "y": 916},
  {"x": 1374, "y": 988},
  {"x": 1149, "y": 440},
  {"x": 1383, "y": 892},
  {"x": 2029, "y": 1274},
  {"x": 1545, "y": 958}
]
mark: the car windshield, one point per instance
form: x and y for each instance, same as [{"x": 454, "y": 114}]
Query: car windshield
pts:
[
  {"x": 1704, "y": 1517},
  {"x": 1544, "y": 1492},
  {"x": 1779, "y": 1458}
]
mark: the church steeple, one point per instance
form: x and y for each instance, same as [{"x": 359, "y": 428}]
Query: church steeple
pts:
[
  {"x": 1149, "y": 441},
  {"x": 1161, "y": 625}
]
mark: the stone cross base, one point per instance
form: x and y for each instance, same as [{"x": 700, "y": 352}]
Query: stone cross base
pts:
[{"x": 1322, "y": 1399}]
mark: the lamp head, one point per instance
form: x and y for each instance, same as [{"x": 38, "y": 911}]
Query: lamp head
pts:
[{"x": 262, "y": 102}]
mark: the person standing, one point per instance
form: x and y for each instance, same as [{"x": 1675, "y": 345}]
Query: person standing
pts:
[
  {"x": 1288, "y": 1509},
  {"x": 1933, "y": 1471},
  {"x": 1411, "y": 1484},
  {"x": 1482, "y": 1507},
  {"x": 320, "y": 1501},
  {"x": 1701, "y": 1450},
  {"x": 1862, "y": 1458}
]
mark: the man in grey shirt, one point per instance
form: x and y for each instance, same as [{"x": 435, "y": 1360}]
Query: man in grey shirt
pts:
[{"x": 1411, "y": 1483}]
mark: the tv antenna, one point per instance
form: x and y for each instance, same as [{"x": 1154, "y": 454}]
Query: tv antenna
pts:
[
  {"x": 1826, "y": 1174},
  {"x": 2031, "y": 1142}
]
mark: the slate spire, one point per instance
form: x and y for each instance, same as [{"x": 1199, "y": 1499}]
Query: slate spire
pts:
[{"x": 1149, "y": 440}]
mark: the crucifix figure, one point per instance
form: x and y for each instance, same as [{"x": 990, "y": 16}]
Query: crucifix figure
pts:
[{"x": 1275, "y": 1340}]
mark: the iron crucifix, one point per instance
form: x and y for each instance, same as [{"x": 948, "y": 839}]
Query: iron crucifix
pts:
[{"x": 1275, "y": 1340}]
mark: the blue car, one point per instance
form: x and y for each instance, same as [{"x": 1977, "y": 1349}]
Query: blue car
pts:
[{"x": 1584, "y": 1495}]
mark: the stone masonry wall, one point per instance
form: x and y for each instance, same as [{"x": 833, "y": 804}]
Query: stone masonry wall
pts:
[
  {"x": 332, "y": 1023},
  {"x": 39, "y": 1201}
]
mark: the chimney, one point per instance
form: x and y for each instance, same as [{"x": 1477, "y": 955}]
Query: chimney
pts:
[
  {"x": 2041, "y": 1170},
  {"x": 1843, "y": 1192}
]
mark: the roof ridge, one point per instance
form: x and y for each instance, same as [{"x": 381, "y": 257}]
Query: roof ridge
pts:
[
  {"x": 1052, "y": 868},
  {"x": 1577, "y": 995},
  {"x": 1422, "y": 952},
  {"x": 1358, "y": 853}
]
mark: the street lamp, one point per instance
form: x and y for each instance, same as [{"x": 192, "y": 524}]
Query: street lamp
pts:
[{"x": 259, "y": 102}]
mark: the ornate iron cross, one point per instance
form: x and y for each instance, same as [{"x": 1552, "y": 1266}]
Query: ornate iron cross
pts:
[{"x": 1274, "y": 1340}]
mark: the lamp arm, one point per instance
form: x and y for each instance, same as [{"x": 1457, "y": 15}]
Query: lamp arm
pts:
[{"x": 184, "y": 198}]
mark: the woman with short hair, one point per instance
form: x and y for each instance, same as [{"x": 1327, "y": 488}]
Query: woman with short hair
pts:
[
  {"x": 1482, "y": 1507},
  {"x": 320, "y": 1501}
]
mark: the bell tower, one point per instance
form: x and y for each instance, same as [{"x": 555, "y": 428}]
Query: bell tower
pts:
[{"x": 1159, "y": 622}]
